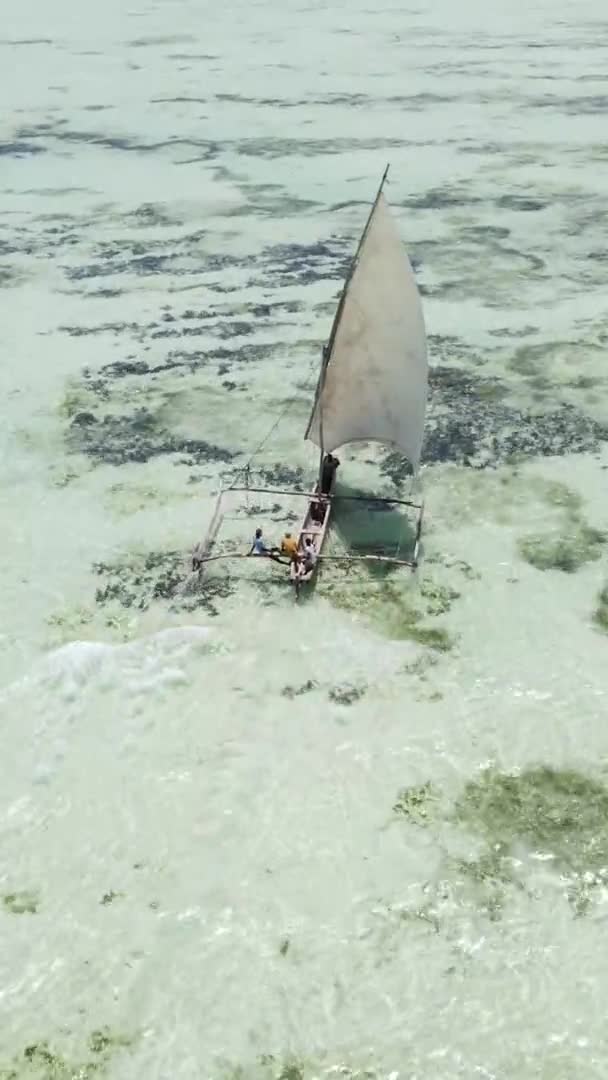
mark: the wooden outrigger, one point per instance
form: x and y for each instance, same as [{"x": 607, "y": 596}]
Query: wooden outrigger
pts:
[
  {"x": 372, "y": 387},
  {"x": 204, "y": 551}
]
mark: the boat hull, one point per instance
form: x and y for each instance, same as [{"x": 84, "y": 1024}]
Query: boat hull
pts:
[{"x": 314, "y": 524}]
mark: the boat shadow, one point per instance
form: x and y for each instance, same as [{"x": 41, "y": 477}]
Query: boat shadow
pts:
[{"x": 367, "y": 526}]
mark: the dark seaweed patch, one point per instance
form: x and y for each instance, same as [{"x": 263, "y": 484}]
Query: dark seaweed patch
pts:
[
  {"x": 121, "y": 369},
  {"x": 109, "y": 898},
  {"x": 275, "y": 513},
  {"x": 486, "y": 879},
  {"x": 26, "y": 41},
  {"x": 193, "y": 56},
  {"x": 600, "y": 616},
  {"x": 513, "y": 332},
  {"x": 8, "y": 277},
  {"x": 264, "y": 311},
  {"x": 181, "y": 99},
  {"x": 12, "y": 249},
  {"x": 303, "y": 264},
  {"x": 469, "y": 421},
  {"x": 472, "y": 146},
  {"x": 208, "y": 150},
  {"x": 297, "y": 691},
  {"x": 280, "y": 474},
  {"x": 395, "y": 466},
  {"x": 445, "y": 347},
  {"x": 218, "y": 329},
  {"x": 527, "y": 359},
  {"x": 576, "y": 106},
  {"x": 20, "y": 149},
  {"x": 24, "y": 902},
  {"x": 398, "y": 612},
  {"x": 574, "y": 546},
  {"x": 149, "y": 215},
  {"x": 279, "y": 265},
  {"x": 441, "y": 198},
  {"x": 534, "y": 261},
  {"x": 483, "y": 232},
  {"x": 561, "y": 812},
  {"x": 406, "y": 101},
  {"x": 478, "y": 441},
  {"x": 417, "y": 804},
  {"x": 142, "y": 266},
  {"x": 150, "y": 264},
  {"x": 519, "y": 202},
  {"x": 191, "y": 360},
  {"x": 346, "y": 695},
  {"x": 188, "y": 360},
  {"x": 103, "y": 328},
  {"x": 39, "y": 1060},
  {"x": 286, "y": 1066},
  {"x": 270, "y": 205},
  {"x": 466, "y": 424},
  {"x": 140, "y": 580},
  {"x": 84, "y": 419},
  {"x": 160, "y": 39},
  {"x": 135, "y": 437},
  {"x": 271, "y": 148}
]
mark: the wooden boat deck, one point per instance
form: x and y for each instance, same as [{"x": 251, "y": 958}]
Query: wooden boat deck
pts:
[{"x": 317, "y": 530}]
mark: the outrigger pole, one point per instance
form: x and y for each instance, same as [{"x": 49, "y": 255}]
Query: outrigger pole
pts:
[
  {"x": 325, "y": 558},
  {"x": 331, "y": 498},
  {"x": 202, "y": 549}
]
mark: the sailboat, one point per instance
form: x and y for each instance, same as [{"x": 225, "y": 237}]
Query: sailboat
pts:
[{"x": 373, "y": 381}]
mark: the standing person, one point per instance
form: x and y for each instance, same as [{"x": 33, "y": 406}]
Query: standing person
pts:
[
  {"x": 328, "y": 473},
  {"x": 317, "y": 512}
]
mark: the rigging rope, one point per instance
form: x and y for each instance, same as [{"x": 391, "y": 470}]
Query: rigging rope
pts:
[{"x": 247, "y": 466}]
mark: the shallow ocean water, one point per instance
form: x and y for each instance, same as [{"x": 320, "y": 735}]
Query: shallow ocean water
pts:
[{"x": 239, "y": 837}]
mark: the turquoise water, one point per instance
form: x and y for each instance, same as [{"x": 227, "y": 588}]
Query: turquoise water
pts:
[{"x": 244, "y": 838}]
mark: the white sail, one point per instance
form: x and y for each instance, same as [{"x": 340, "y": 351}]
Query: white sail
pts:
[{"x": 373, "y": 385}]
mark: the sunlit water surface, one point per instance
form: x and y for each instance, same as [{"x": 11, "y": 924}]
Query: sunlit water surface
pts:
[{"x": 237, "y": 836}]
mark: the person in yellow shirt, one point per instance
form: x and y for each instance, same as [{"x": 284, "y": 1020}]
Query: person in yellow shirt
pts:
[{"x": 289, "y": 546}]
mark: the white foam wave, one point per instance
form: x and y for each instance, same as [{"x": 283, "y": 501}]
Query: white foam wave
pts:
[{"x": 143, "y": 665}]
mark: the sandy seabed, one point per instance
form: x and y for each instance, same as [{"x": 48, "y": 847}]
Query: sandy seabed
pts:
[{"x": 242, "y": 838}]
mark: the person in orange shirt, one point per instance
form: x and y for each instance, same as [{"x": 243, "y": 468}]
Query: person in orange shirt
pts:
[{"x": 289, "y": 546}]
